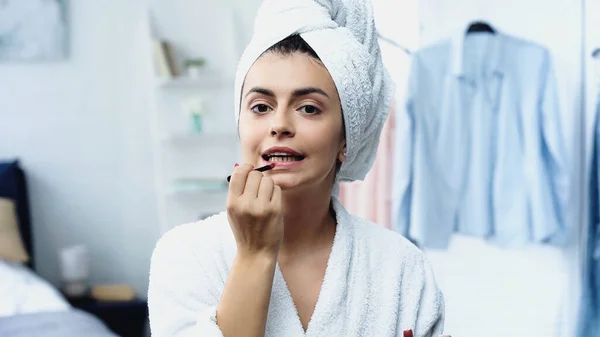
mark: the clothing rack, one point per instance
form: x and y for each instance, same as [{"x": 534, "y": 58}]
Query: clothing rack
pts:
[{"x": 394, "y": 43}]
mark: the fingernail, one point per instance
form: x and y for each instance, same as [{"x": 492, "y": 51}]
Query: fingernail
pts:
[
  {"x": 236, "y": 165},
  {"x": 408, "y": 333}
]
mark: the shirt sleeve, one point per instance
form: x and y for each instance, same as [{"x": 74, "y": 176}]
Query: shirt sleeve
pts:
[
  {"x": 183, "y": 293},
  {"x": 553, "y": 153}
]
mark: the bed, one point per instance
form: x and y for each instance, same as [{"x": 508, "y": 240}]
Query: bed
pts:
[{"x": 30, "y": 306}]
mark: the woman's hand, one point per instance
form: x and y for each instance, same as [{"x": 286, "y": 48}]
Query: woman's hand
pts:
[{"x": 255, "y": 211}]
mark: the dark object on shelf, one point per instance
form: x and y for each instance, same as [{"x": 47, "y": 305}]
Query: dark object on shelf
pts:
[
  {"x": 480, "y": 27},
  {"x": 126, "y": 319},
  {"x": 195, "y": 62},
  {"x": 596, "y": 53}
]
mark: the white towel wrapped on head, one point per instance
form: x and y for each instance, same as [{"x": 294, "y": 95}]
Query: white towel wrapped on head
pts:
[{"x": 343, "y": 34}]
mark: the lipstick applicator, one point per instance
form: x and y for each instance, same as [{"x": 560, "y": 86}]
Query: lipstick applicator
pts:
[{"x": 260, "y": 169}]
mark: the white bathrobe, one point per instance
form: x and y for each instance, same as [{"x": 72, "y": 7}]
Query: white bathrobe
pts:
[{"x": 376, "y": 284}]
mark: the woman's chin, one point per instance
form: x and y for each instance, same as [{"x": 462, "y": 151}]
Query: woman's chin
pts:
[
  {"x": 285, "y": 184},
  {"x": 287, "y": 181},
  {"x": 300, "y": 182}
]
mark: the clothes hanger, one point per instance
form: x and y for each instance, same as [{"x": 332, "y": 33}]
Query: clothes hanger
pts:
[
  {"x": 394, "y": 43},
  {"x": 480, "y": 27}
]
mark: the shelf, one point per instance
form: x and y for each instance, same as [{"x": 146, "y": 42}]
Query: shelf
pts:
[
  {"x": 206, "y": 138},
  {"x": 194, "y": 186},
  {"x": 207, "y": 80},
  {"x": 196, "y": 193}
]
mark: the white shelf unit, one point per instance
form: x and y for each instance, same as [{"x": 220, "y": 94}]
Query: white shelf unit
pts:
[
  {"x": 192, "y": 167},
  {"x": 200, "y": 138},
  {"x": 188, "y": 166},
  {"x": 206, "y": 79}
]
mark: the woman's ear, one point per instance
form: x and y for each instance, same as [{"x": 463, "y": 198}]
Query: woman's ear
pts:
[{"x": 342, "y": 153}]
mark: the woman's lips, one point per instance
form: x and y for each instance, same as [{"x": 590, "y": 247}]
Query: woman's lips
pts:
[{"x": 283, "y": 165}]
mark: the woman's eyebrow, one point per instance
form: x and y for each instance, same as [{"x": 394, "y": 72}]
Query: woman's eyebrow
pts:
[
  {"x": 260, "y": 90},
  {"x": 297, "y": 93},
  {"x": 308, "y": 91}
]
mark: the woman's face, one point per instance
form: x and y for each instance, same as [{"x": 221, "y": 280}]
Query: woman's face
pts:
[{"x": 291, "y": 115}]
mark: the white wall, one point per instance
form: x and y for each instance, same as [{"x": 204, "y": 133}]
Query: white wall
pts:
[
  {"x": 496, "y": 292},
  {"x": 81, "y": 129}
]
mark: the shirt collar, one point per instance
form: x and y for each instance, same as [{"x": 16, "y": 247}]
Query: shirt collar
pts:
[{"x": 457, "y": 48}]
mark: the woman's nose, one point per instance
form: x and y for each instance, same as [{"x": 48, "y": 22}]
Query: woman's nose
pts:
[{"x": 281, "y": 124}]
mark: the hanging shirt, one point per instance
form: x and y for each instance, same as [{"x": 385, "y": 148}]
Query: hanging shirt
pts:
[
  {"x": 589, "y": 307},
  {"x": 483, "y": 154},
  {"x": 589, "y": 310}
]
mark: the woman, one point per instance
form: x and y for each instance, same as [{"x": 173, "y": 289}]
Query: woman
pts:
[{"x": 286, "y": 259}]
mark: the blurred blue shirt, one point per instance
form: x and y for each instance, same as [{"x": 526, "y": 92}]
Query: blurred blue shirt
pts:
[
  {"x": 483, "y": 151},
  {"x": 588, "y": 324}
]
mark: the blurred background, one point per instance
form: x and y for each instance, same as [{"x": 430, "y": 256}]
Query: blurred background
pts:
[{"x": 116, "y": 125}]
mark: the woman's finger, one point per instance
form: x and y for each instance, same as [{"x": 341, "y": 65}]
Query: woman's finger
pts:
[
  {"x": 265, "y": 190},
  {"x": 252, "y": 184},
  {"x": 276, "y": 198},
  {"x": 238, "y": 179}
]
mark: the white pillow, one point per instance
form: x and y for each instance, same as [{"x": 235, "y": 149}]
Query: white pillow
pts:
[{"x": 22, "y": 291}]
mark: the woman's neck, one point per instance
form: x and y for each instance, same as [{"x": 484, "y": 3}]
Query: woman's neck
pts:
[{"x": 308, "y": 221}]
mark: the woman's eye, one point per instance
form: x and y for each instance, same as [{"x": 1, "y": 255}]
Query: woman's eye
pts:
[
  {"x": 310, "y": 109},
  {"x": 260, "y": 108}
]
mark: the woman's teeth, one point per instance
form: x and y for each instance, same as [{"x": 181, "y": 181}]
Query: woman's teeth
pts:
[{"x": 283, "y": 158}]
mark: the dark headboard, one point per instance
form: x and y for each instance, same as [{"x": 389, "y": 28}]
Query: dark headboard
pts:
[{"x": 13, "y": 185}]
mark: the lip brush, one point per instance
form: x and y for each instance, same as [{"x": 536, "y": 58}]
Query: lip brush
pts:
[{"x": 260, "y": 169}]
